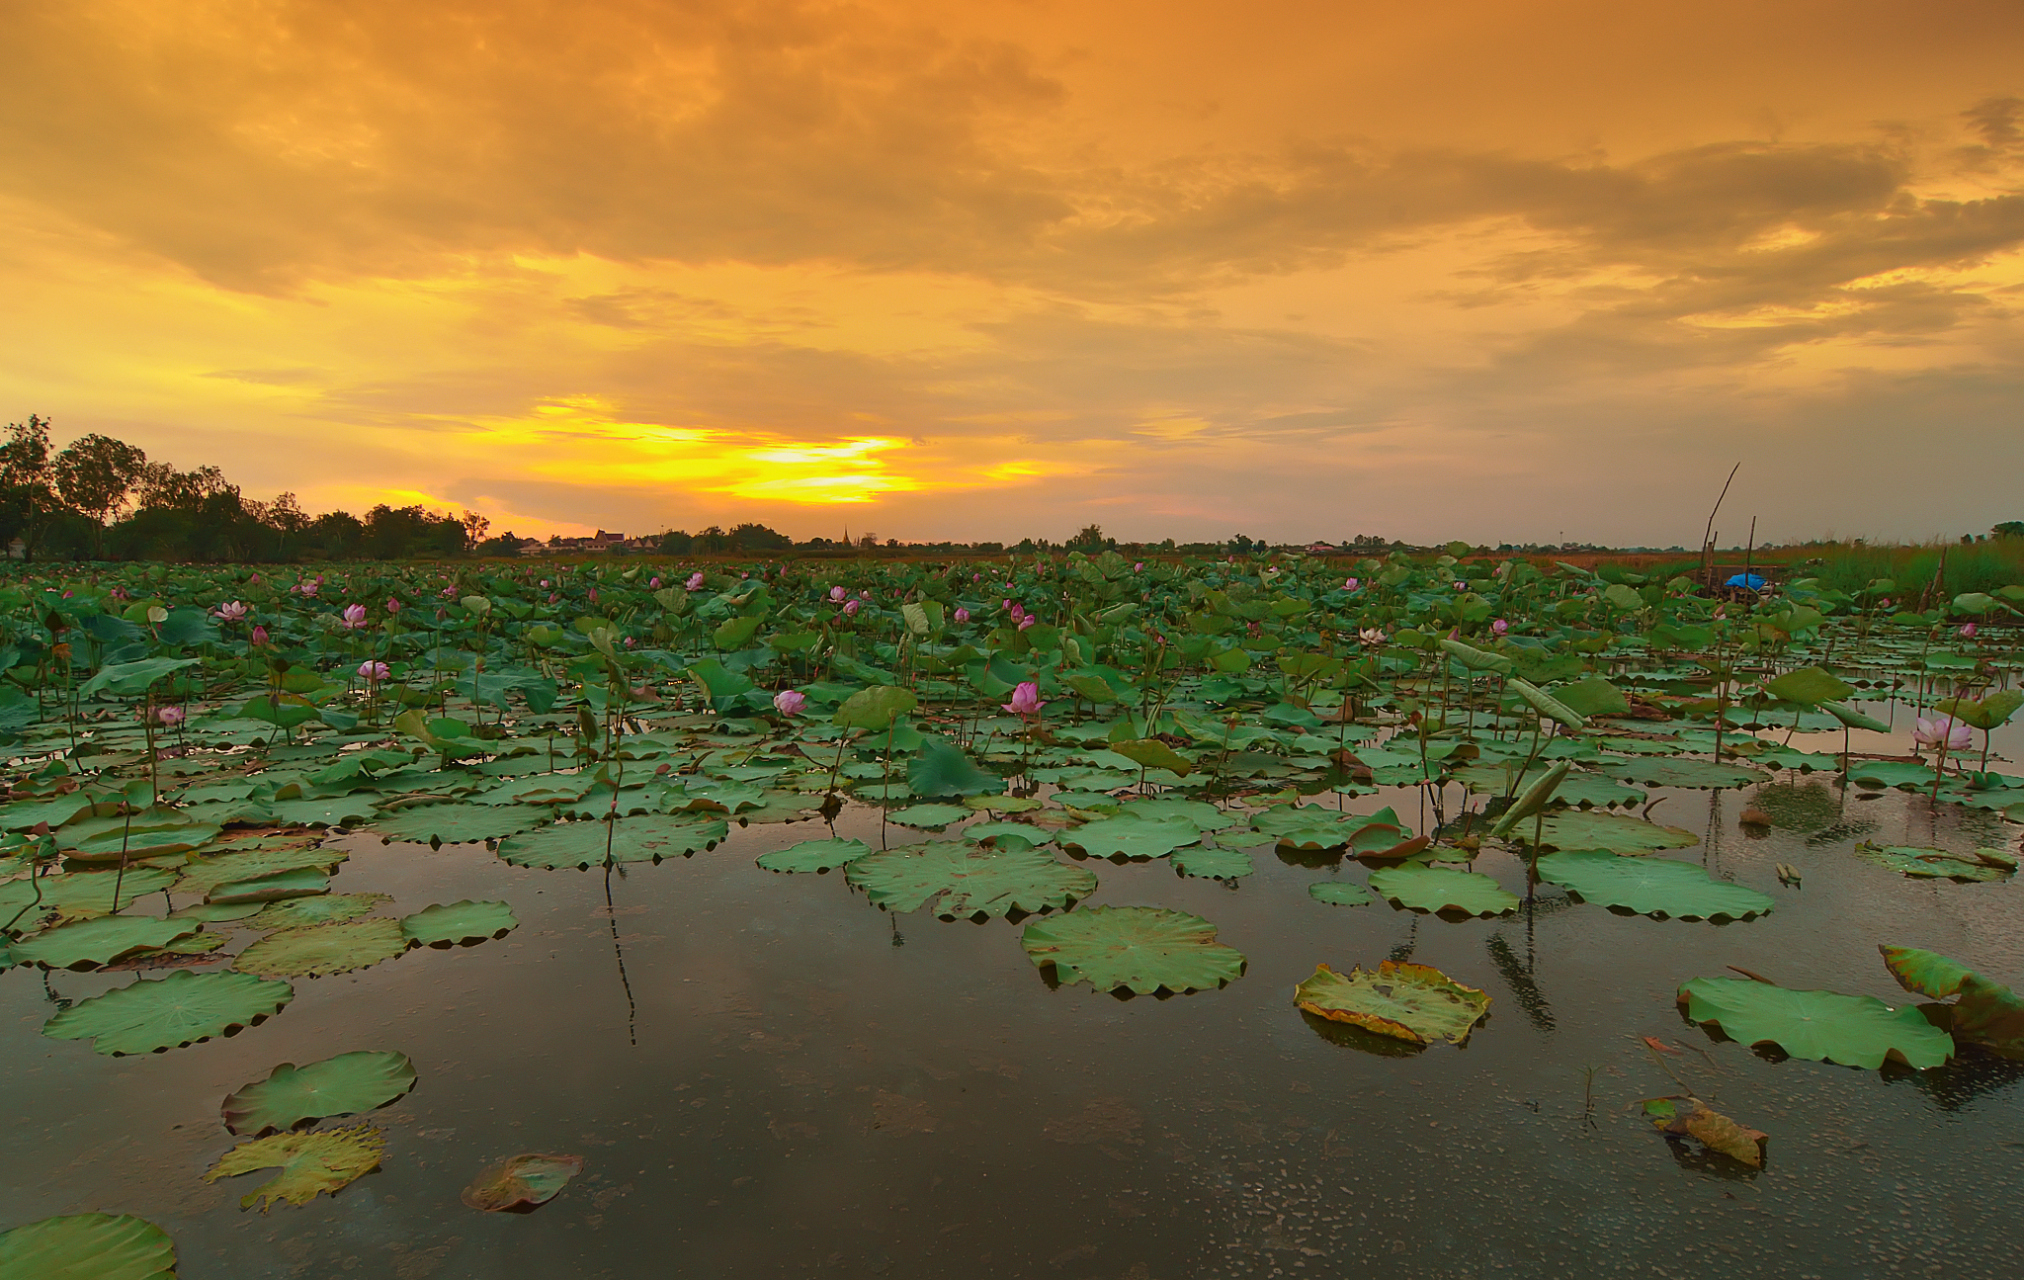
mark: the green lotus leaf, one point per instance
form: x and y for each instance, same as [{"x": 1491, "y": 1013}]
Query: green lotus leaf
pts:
[
  {"x": 521, "y": 1182},
  {"x": 876, "y": 708},
  {"x": 328, "y": 1160},
  {"x": 1203, "y": 814},
  {"x": 1809, "y": 687},
  {"x": 1438, "y": 889},
  {"x": 1340, "y": 893},
  {"x": 543, "y": 788},
  {"x": 1930, "y": 864},
  {"x": 943, "y": 770},
  {"x": 1208, "y": 862},
  {"x": 152, "y": 834},
  {"x": 1594, "y": 696},
  {"x": 88, "y": 1246},
  {"x": 325, "y": 949},
  {"x": 1410, "y": 1002},
  {"x": 932, "y": 816},
  {"x": 1854, "y": 719},
  {"x": 1131, "y": 837},
  {"x": 1890, "y": 773},
  {"x": 324, "y": 811},
  {"x": 1000, "y": 832},
  {"x": 583, "y": 844},
  {"x": 206, "y": 874},
  {"x": 1654, "y": 771},
  {"x": 340, "y": 1086},
  {"x": 972, "y": 880},
  {"x": 1576, "y": 788},
  {"x": 1821, "y": 1026},
  {"x": 88, "y": 944},
  {"x": 78, "y": 895},
  {"x": 1988, "y": 1013},
  {"x": 208, "y": 912},
  {"x": 301, "y": 883},
  {"x": 22, "y": 815},
  {"x": 1141, "y": 949},
  {"x": 1925, "y": 973},
  {"x": 168, "y": 1013},
  {"x": 699, "y": 795},
  {"x": 459, "y": 823},
  {"x": 304, "y": 913},
  {"x": 814, "y": 855},
  {"x": 1663, "y": 887},
  {"x": 1618, "y": 833},
  {"x": 1546, "y": 704},
  {"x": 444, "y": 924},
  {"x": 1307, "y": 826},
  {"x": 1151, "y": 753}
]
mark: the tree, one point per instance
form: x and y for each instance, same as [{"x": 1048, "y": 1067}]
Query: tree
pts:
[
  {"x": 2009, "y": 529},
  {"x": 474, "y": 527},
  {"x": 95, "y": 474},
  {"x": 1090, "y": 540},
  {"x": 26, "y": 499}
]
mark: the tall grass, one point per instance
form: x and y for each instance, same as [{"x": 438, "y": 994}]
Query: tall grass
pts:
[{"x": 1848, "y": 566}]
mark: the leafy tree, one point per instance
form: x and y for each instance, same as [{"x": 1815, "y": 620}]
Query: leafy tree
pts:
[
  {"x": 94, "y": 474},
  {"x": 2009, "y": 529},
  {"x": 1090, "y": 540}
]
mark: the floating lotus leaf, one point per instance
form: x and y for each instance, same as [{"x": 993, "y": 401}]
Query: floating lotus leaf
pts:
[
  {"x": 1931, "y": 864},
  {"x": 943, "y": 770},
  {"x": 1587, "y": 829},
  {"x": 466, "y": 921},
  {"x": 206, "y": 874},
  {"x": 1210, "y": 863},
  {"x": 521, "y": 1182},
  {"x": 325, "y": 949},
  {"x": 1410, "y": 1002},
  {"x": 79, "y": 895},
  {"x": 1340, "y": 893},
  {"x": 302, "y": 882},
  {"x": 88, "y": 1246},
  {"x": 974, "y": 880},
  {"x": 1822, "y": 1026},
  {"x": 545, "y": 788},
  {"x": 1664, "y": 887},
  {"x": 583, "y": 844},
  {"x": 1654, "y": 771},
  {"x": 208, "y": 912},
  {"x": 328, "y": 1160},
  {"x": 304, "y": 913},
  {"x": 161, "y": 835},
  {"x": 1925, "y": 973},
  {"x": 1142, "y": 949},
  {"x": 88, "y": 944},
  {"x": 323, "y": 811},
  {"x": 1203, "y": 814},
  {"x": 1988, "y": 1013},
  {"x": 340, "y": 1086},
  {"x": 1000, "y": 832},
  {"x": 932, "y": 816},
  {"x": 1307, "y": 826},
  {"x": 168, "y": 1013},
  {"x": 459, "y": 823},
  {"x": 1437, "y": 889},
  {"x": 814, "y": 855},
  {"x": 1131, "y": 837}
]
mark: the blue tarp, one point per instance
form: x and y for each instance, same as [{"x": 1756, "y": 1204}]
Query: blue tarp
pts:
[{"x": 1754, "y": 581}]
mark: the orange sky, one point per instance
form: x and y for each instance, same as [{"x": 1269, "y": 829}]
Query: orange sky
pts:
[{"x": 1493, "y": 271}]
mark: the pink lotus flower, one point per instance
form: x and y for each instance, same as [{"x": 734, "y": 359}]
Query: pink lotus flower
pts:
[
  {"x": 1027, "y": 621},
  {"x": 976, "y": 577},
  {"x": 1026, "y": 701},
  {"x": 695, "y": 581},
  {"x": 1006, "y": 605},
  {"x": 449, "y": 592},
  {"x": 653, "y": 584},
  {"x": 1945, "y": 731},
  {"x": 1140, "y": 567},
  {"x": 1499, "y": 627},
  {"x": 788, "y": 702},
  {"x": 170, "y": 717},
  {"x": 1018, "y": 612},
  {"x": 554, "y": 596},
  {"x": 962, "y": 614},
  {"x": 373, "y": 672},
  {"x": 1349, "y": 584},
  {"x": 1967, "y": 631},
  {"x": 354, "y": 616},
  {"x": 232, "y": 610},
  {"x": 850, "y": 608},
  {"x": 546, "y": 584},
  {"x": 254, "y": 578},
  {"x": 393, "y": 605},
  {"x": 630, "y": 642},
  {"x": 837, "y": 593},
  {"x": 259, "y": 634},
  {"x": 1371, "y": 637}
]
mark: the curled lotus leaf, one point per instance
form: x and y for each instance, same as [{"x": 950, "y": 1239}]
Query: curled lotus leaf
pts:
[
  {"x": 87, "y": 1246},
  {"x": 1442, "y": 889},
  {"x": 1618, "y": 833},
  {"x": 1925, "y": 973},
  {"x": 328, "y": 1160},
  {"x": 1142, "y": 949},
  {"x": 814, "y": 855},
  {"x": 87, "y": 944},
  {"x": 339, "y": 1086},
  {"x": 1122, "y": 837},
  {"x": 970, "y": 880},
  {"x": 1988, "y": 1013},
  {"x": 1664, "y": 887},
  {"x": 325, "y": 949},
  {"x": 521, "y": 1182},
  {"x": 459, "y": 823},
  {"x": 1412, "y": 1002},
  {"x": 588, "y": 843},
  {"x": 444, "y": 924},
  {"x": 1821, "y": 1026},
  {"x": 167, "y": 1013}
]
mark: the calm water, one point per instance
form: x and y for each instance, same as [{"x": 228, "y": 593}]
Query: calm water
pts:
[{"x": 770, "y": 1078}]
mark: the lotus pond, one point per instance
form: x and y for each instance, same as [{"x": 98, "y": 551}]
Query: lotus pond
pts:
[{"x": 1066, "y": 917}]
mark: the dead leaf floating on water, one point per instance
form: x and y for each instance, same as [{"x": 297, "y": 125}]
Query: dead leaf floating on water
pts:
[
  {"x": 521, "y": 1183},
  {"x": 1689, "y": 1117}
]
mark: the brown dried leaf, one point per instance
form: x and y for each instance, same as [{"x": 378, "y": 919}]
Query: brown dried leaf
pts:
[{"x": 1692, "y": 1118}]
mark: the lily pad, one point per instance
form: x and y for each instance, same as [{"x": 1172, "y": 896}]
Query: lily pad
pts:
[
  {"x": 1200, "y": 812},
  {"x": 1438, "y": 889},
  {"x": 167, "y": 1013},
  {"x": 302, "y": 882},
  {"x": 442, "y": 925},
  {"x": 1660, "y": 771},
  {"x": 583, "y": 844},
  {"x": 1587, "y": 829},
  {"x": 1822, "y": 1026},
  {"x": 1411, "y": 1002},
  {"x": 1142, "y": 949},
  {"x": 339, "y": 1086},
  {"x": 932, "y": 816},
  {"x": 814, "y": 855},
  {"x": 1663, "y": 887},
  {"x": 325, "y": 949},
  {"x": 79, "y": 895},
  {"x": 1210, "y": 863},
  {"x": 1930, "y": 864},
  {"x": 328, "y": 1160},
  {"x": 522, "y": 1182},
  {"x": 459, "y": 823},
  {"x": 87, "y": 1246},
  {"x": 972, "y": 880},
  {"x": 304, "y": 913},
  {"x": 943, "y": 770},
  {"x": 1340, "y": 893},
  {"x": 1131, "y": 837},
  {"x": 205, "y": 874},
  {"x": 88, "y": 944}
]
